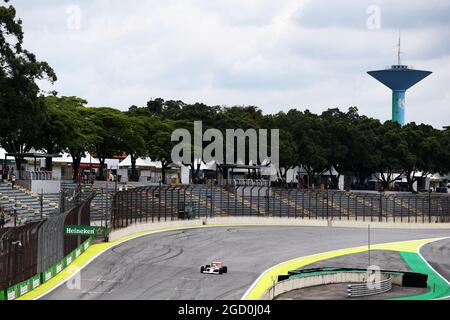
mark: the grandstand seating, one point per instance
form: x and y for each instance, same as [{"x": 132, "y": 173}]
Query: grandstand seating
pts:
[{"x": 26, "y": 204}]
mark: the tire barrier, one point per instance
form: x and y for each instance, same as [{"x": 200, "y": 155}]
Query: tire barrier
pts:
[
  {"x": 28, "y": 252},
  {"x": 369, "y": 288},
  {"x": 414, "y": 280}
]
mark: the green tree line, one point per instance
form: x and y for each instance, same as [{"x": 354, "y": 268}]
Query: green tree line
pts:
[{"x": 351, "y": 143}]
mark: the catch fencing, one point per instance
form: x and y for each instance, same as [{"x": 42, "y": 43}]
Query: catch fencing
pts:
[
  {"x": 30, "y": 249},
  {"x": 169, "y": 203}
]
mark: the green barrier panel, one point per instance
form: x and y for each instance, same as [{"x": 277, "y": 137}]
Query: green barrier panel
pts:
[
  {"x": 86, "y": 244},
  {"x": 35, "y": 282},
  {"x": 437, "y": 287},
  {"x": 23, "y": 288},
  {"x": 78, "y": 252},
  {"x": 69, "y": 259},
  {"x": 47, "y": 275},
  {"x": 11, "y": 293},
  {"x": 58, "y": 267}
]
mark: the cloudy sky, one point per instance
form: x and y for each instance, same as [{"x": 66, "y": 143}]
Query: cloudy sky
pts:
[{"x": 275, "y": 54}]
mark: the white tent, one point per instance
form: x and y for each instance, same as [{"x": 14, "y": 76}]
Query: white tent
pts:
[
  {"x": 206, "y": 166},
  {"x": 2, "y": 153},
  {"x": 66, "y": 158},
  {"x": 90, "y": 159},
  {"x": 147, "y": 162},
  {"x": 156, "y": 164}
]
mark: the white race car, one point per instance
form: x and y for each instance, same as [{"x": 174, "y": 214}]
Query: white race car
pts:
[{"x": 216, "y": 267}]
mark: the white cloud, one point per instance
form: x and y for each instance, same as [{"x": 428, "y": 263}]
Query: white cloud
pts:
[{"x": 275, "y": 54}]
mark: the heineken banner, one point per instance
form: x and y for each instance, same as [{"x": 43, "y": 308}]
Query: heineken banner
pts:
[{"x": 84, "y": 231}]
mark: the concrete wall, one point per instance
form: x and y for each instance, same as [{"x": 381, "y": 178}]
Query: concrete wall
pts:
[
  {"x": 45, "y": 186},
  {"x": 124, "y": 174},
  {"x": 255, "y": 221},
  {"x": 144, "y": 227},
  {"x": 317, "y": 280}
]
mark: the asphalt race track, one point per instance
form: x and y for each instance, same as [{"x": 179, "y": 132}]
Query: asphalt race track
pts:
[
  {"x": 167, "y": 265},
  {"x": 437, "y": 255}
]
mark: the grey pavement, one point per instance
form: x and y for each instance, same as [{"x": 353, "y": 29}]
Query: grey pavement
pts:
[{"x": 167, "y": 265}]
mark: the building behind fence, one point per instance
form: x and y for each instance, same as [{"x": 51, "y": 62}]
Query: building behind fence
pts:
[
  {"x": 28, "y": 250},
  {"x": 168, "y": 203}
]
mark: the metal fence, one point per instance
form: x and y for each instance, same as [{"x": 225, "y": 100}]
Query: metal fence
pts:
[
  {"x": 29, "y": 249},
  {"x": 168, "y": 203}
]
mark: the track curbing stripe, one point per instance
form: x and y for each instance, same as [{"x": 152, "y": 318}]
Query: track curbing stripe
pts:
[{"x": 265, "y": 280}]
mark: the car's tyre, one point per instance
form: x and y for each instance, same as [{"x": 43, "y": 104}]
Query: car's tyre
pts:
[
  {"x": 220, "y": 271},
  {"x": 225, "y": 269},
  {"x": 202, "y": 269},
  {"x": 207, "y": 266}
]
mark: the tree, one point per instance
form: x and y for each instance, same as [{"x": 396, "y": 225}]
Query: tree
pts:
[
  {"x": 159, "y": 144},
  {"x": 337, "y": 140},
  {"x": 21, "y": 104},
  {"x": 111, "y": 132},
  {"x": 361, "y": 161},
  {"x": 81, "y": 138},
  {"x": 156, "y": 106},
  {"x": 66, "y": 129},
  {"x": 60, "y": 124},
  {"x": 424, "y": 151},
  {"x": 308, "y": 133},
  {"x": 444, "y": 155},
  {"x": 288, "y": 154},
  {"x": 134, "y": 142},
  {"x": 391, "y": 149}
]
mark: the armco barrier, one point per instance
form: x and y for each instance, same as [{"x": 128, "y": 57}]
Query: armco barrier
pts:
[
  {"x": 368, "y": 289},
  {"x": 313, "y": 280},
  {"x": 24, "y": 287}
]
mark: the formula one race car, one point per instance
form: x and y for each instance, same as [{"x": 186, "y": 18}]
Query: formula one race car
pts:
[{"x": 216, "y": 267}]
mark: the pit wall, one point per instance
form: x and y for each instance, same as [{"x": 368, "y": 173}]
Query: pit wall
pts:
[
  {"x": 261, "y": 221},
  {"x": 320, "y": 280}
]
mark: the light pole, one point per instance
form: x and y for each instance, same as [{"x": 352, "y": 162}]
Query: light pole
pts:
[
  {"x": 369, "y": 244},
  {"x": 429, "y": 205},
  {"x": 381, "y": 203},
  {"x": 41, "y": 200}
]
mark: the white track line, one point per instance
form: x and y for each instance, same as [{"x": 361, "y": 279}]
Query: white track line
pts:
[
  {"x": 265, "y": 272},
  {"x": 434, "y": 270},
  {"x": 95, "y": 257}
]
